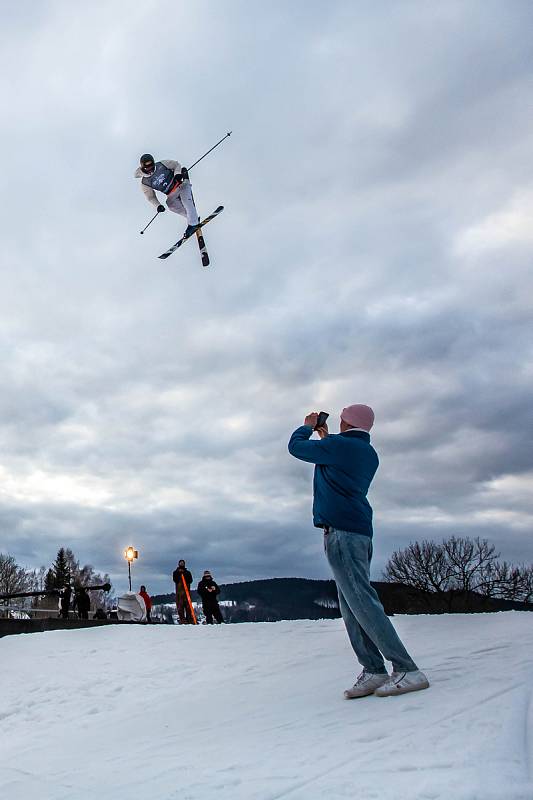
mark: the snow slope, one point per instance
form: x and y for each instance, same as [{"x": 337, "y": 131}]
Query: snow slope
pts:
[{"x": 255, "y": 712}]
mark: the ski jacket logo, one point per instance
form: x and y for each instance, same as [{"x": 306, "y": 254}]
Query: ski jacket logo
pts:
[{"x": 161, "y": 180}]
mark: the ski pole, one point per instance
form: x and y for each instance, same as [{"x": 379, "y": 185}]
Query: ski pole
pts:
[
  {"x": 189, "y": 601},
  {"x": 155, "y": 215},
  {"x": 209, "y": 151}
]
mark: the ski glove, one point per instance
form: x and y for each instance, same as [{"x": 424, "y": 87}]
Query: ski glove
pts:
[{"x": 160, "y": 209}]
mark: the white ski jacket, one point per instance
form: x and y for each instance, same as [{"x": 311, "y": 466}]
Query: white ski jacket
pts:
[{"x": 148, "y": 191}]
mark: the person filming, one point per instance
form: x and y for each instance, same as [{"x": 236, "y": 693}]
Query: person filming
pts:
[
  {"x": 345, "y": 464},
  {"x": 208, "y": 591}
]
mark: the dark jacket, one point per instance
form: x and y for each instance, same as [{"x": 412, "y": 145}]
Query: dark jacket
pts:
[
  {"x": 82, "y": 601},
  {"x": 64, "y": 600},
  {"x": 209, "y": 598},
  {"x": 345, "y": 465},
  {"x": 176, "y": 577}
]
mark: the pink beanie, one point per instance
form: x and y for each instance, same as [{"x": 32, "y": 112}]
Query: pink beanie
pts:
[{"x": 358, "y": 416}]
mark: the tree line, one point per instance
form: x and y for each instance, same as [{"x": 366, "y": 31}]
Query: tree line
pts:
[
  {"x": 448, "y": 572},
  {"x": 64, "y": 571},
  {"x": 457, "y": 567}
]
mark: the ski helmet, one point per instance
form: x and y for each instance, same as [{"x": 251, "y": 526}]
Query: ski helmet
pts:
[{"x": 147, "y": 163}]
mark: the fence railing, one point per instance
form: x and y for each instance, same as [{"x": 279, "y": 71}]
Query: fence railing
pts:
[{"x": 25, "y": 612}]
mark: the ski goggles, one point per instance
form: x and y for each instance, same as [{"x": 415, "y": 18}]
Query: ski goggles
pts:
[{"x": 148, "y": 167}]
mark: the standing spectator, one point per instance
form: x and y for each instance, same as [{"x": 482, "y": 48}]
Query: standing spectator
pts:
[
  {"x": 182, "y": 604},
  {"x": 208, "y": 591},
  {"x": 82, "y": 602},
  {"x": 64, "y": 601},
  {"x": 345, "y": 465},
  {"x": 147, "y": 602}
]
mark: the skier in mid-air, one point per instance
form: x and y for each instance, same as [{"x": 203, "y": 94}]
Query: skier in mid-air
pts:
[{"x": 171, "y": 179}]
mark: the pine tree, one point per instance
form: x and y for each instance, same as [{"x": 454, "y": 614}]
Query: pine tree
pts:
[
  {"x": 73, "y": 567},
  {"x": 66, "y": 569},
  {"x": 61, "y": 569},
  {"x": 50, "y": 580}
]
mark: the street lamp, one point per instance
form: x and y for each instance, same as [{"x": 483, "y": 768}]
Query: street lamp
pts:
[{"x": 129, "y": 554}]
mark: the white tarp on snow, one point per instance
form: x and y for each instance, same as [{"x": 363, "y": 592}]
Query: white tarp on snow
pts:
[{"x": 131, "y": 607}]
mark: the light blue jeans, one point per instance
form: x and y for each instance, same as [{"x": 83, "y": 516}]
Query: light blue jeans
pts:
[{"x": 371, "y": 632}]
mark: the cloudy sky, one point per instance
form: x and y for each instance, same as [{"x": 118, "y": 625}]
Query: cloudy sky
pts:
[{"x": 376, "y": 247}]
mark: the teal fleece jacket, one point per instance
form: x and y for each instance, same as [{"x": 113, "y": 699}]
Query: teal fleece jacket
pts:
[{"x": 345, "y": 465}]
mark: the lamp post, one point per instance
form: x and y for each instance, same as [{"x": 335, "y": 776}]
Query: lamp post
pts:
[{"x": 129, "y": 554}]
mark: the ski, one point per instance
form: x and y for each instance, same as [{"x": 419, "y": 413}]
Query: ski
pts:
[
  {"x": 183, "y": 239},
  {"x": 203, "y": 249},
  {"x": 189, "y": 601},
  {"x": 201, "y": 242}
]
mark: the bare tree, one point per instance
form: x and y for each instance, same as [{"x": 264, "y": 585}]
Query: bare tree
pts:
[
  {"x": 73, "y": 565},
  {"x": 66, "y": 568},
  {"x": 422, "y": 566},
  {"x": 459, "y": 566},
  {"x": 527, "y": 585},
  {"x": 12, "y": 577},
  {"x": 470, "y": 563},
  {"x": 502, "y": 580},
  {"x": 36, "y": 578},
  {"x": 513, "y": 582},
  {"x": 87, "y": 576}
]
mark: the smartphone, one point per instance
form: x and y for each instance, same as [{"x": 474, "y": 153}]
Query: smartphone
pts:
[{"x": 321, "y": 421}]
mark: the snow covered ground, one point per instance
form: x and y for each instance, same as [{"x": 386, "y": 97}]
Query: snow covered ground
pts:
[{"x": 255, "y": 712}]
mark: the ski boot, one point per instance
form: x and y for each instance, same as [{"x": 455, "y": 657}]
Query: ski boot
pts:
[{"x": 190, "y": 230}]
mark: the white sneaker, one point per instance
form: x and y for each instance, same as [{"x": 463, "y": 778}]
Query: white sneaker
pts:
[
  {"x": 366, "y": 684},
  {"x": 403, "y": 682}
]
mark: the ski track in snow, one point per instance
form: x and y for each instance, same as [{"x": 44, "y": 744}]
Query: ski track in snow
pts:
[{"x": 255, "y": 712}]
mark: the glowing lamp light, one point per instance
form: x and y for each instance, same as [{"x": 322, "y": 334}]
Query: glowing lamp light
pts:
[{"x": 130, "y": 553}]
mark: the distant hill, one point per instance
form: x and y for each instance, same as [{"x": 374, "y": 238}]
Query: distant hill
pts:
[{"x": 275, "y": 599}]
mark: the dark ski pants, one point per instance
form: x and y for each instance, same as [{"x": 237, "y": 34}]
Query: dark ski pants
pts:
[
  {"x": 370, "y": 631},
  {"x": 212, "y": 611}
]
